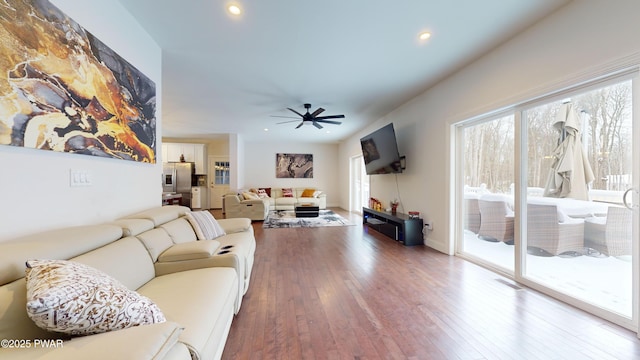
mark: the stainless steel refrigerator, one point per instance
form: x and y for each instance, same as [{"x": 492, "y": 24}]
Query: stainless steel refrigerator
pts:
[{"x": 177, "y": 178}]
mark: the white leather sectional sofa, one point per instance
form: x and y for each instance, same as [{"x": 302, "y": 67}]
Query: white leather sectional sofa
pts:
[
  {"x": 277, "y": 201},
  {"x": 196, "y": 284},
  {"x": 238, "y": 206}
]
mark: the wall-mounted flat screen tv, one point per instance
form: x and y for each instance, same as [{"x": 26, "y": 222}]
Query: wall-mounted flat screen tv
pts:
[{"x": 380, "y": 152}]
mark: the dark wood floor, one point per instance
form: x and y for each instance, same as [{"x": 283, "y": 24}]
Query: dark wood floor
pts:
[{"x": 351, "y": 293}]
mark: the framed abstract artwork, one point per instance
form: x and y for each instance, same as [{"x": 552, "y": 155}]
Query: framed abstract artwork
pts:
[
  {"x": 62, "y": 89},
  {"x": 294, "y": 165}
]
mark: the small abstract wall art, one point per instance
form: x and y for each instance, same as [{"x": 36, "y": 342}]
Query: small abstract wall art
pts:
[
  {"x": 294, "y": 166},
  {"x": 62, "y": 89}
]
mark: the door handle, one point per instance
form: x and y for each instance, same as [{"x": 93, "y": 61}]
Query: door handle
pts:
[{"x": 624, "y": 199}]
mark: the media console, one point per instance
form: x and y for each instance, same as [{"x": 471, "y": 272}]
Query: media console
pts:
[{"x": 397, "y": 226}]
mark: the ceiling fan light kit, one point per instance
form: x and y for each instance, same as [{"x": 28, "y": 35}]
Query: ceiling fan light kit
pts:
[{"x": 313, "y": 118}]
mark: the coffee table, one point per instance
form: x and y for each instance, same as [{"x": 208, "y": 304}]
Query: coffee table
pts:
[{"x": 306, "y": 210}]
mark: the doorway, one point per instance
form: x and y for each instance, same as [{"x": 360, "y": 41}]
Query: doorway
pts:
[
  {"x": 359, "y": 188},
  {"x": 219, "y": 170}
]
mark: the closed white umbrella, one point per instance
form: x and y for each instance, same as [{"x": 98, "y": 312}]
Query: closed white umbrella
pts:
[{"x": 570, "y": 172}]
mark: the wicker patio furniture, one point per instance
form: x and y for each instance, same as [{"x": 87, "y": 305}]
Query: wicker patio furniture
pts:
[
  {"x": 496, "y": 218},
  {"x": 471, "y": 213},
  {"x": 611, "y": 235},
  {"x": 553, "y": 231}
]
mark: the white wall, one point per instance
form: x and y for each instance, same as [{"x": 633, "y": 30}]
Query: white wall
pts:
[
  {"x": 260, "y": 167},
  {"x": 582, "y": 39},
  {"x": 35, "y": 183}
]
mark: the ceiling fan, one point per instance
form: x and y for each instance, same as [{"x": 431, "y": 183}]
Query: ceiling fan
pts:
[{"x": 313, "y": 118}]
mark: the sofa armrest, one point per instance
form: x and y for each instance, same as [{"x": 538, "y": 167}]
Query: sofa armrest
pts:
[
  {"x": 252, "y": 202},
  {"x": 225, "y": 260},
  {"x": 189, "y": 251},
  {"x": 235, "y": 225},
  {"x": 139, "y": 342}
]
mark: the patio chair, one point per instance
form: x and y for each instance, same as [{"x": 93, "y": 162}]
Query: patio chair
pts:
[
  {"x": 611, "y": 235},
  {"x": 496, "y": 218},
  {"x": 471, "y": 213},
  {"x": 553, "y": 231}
]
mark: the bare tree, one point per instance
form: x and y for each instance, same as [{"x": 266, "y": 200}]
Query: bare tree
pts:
[
  {"x": 489, "y": 146},
  {"x": 609, "y": 138}
]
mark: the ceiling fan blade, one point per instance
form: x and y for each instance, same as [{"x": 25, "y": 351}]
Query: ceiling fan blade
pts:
[
  {"x": 296, "y": 112},
  {"x": 317, "y": 112},
  {"x": 329, "y": 122},
  {"x": 286, "y": 117},
  {"x": 301, "y": 123},
  {"x": 330, "y": 117},
  {"x": 317, "y": 125},
  {"x": 286, "y": 122}
]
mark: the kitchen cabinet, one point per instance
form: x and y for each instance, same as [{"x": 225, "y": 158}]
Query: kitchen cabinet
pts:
[
  {"x": 200, "y": 158},
  {"x": 196, "y": 153}
]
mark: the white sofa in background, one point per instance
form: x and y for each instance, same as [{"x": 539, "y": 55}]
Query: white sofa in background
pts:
[
  {"x": 277, "y": 200},
  {"x": 236, "y": 206},
  {"x": 194, "y": 283}
]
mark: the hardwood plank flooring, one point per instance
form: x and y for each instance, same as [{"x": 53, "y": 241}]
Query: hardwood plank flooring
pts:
[{"x": 351, "y": 293}]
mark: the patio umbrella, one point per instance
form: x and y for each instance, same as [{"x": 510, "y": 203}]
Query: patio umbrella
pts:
[{"x": 570, "y": 173}]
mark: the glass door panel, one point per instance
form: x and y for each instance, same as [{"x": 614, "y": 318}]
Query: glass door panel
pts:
[
  {"x": 359, "y": 185},
  {"x": 579, "y": 233},
  {"x": 488, "y": 173}
]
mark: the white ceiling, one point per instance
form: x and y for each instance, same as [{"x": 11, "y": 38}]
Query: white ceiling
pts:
[{"x": 360, "y": 58}]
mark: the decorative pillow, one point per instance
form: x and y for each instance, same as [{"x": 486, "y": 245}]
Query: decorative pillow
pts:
[
  {"x": 76, "y": 299},
  {"x": 317, "y": 193},
  {"x": 248, "y": 195},
  {"x": 267, "y": 190},
  {"x": 287, "y": 192},
  {"x": 308, "y": 193},
  {"x": 262, "y": 194},
  {"x": 205, "y": 225}
]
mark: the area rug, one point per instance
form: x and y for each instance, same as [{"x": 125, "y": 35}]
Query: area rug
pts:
[{"x": 287, "y": 219}]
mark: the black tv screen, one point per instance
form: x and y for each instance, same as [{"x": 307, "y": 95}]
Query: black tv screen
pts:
[{"x": 380, "y": 152}]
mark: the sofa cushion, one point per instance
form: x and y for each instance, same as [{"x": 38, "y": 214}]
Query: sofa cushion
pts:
[
  {"x": 76, "y": 299},
  {"x": 190, "y": 251},
  {"x": 234, "y": 225},
  {"x": 133, "y": 227},
  {"x": 202, "y": 301},
  {"x": 156, "y": 241},
  {"x": 205, "y": 225},
  {"x": 248, "y": 195},
  {"x": 307, "y": 193},
  {"x": 286, "y": 201},
  {"x": 126, "y": 260},
  {"x": 262, "y": 194},
  {"x": 151, "y": 342},
  {"x": 287, "y": 192},
  {"x": 180, "y": 230},
  {"x": 54, "y": 244},
  {"x": 161, "y": 215}
]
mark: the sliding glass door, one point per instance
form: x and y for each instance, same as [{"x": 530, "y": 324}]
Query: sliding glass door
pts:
[
  {"x": 359, "y": 185},
  {"x": 579, "y": 231},
  {"x": 487, "y": 208},
  {"x": 547, "y": 193}
]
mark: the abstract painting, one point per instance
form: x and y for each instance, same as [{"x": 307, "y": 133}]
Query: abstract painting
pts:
[
  {"x": 62, "y": 89},
  {"x": 294, "y": 165}
]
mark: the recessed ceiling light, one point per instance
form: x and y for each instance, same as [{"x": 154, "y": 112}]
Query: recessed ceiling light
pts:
[
  {"x": 234, "y": 9},
  {"x": 424, "y": 35},
  {"x": 265, "y": 129}
]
